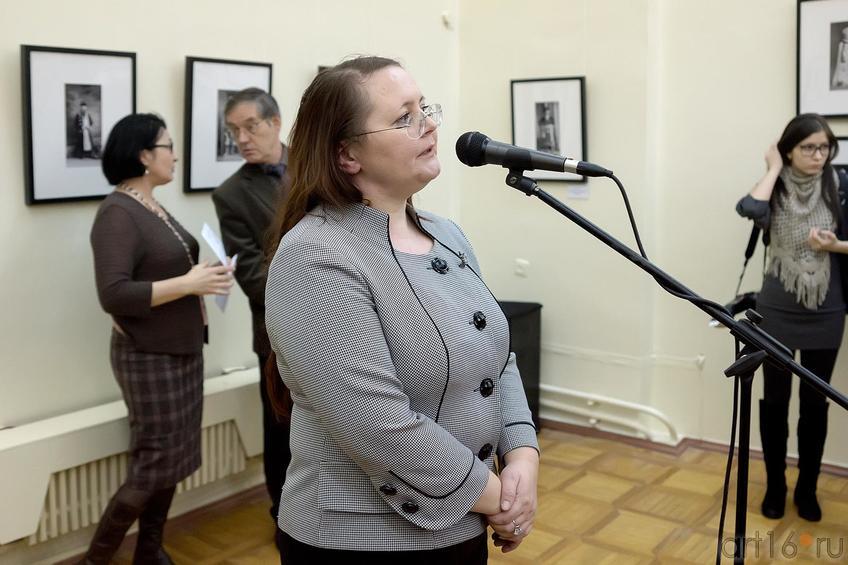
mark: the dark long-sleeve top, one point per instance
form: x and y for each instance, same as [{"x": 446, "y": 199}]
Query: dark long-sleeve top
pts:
[
  {"x": 784, "y": 318},
  {"x": 758, "y": 211},
  {"x": 132, "y": 249}
]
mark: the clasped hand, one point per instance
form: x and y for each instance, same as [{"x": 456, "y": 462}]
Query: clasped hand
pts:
[{"x": 518, "y": 503}]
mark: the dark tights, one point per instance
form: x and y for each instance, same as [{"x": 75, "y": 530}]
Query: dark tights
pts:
[
  {"x": 150, "y": 507},
  {"x": 777, "y": 386},
  {"x": 812, "y": 432}
]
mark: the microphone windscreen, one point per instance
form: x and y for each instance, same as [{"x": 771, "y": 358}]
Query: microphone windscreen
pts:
[{"x": 469, "y": 148}]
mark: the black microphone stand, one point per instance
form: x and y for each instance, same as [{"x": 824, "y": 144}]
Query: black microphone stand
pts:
[{"x": 758, "y": 345}]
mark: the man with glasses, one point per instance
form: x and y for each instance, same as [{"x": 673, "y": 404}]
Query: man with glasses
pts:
[{"x": 245, "y": 204}]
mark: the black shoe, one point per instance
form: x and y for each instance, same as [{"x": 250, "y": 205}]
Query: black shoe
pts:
[
  {"x": 774, "y": 502},
  {"x": 808, "y": 506},
  {"x": 160, "y": 557}
]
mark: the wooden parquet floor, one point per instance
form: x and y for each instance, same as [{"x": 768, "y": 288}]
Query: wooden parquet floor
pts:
[{"x": 601, "y": 501}]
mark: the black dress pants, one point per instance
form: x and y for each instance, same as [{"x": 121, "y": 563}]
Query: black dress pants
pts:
[{"x": 275, "y": 440}]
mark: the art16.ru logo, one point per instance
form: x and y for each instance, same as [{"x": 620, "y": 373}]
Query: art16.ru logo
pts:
[{"x": 794, "y": 544}]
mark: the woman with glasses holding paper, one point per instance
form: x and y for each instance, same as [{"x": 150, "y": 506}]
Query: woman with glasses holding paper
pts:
[
  {"x": 151, "y": 284},
  {"x": 395, "y": 351},
  {"x": 802, "y": 300}
]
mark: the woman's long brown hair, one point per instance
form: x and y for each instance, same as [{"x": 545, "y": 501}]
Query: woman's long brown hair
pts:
[{"x": 333, "y": 110}]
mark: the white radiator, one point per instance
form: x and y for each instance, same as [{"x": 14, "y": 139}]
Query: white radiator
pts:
[{"x": 76, "y": 497}]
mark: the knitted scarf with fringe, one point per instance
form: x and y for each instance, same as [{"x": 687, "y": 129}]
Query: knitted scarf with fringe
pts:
[{"x": 802, "y": 271}]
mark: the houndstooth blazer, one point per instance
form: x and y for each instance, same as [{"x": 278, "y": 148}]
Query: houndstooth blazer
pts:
[{"x": 403, "y": 383}]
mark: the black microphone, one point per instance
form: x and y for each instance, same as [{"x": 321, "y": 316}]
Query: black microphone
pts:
[{"x": 475, "y": 149}]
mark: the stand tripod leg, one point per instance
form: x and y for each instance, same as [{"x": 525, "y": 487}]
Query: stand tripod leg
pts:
[
  {"x": 746, "y": 382},
  {"x": 747, "y": 362}
]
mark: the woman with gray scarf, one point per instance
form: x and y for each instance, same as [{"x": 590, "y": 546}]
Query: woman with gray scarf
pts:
[{"x": 797, "y": 204}]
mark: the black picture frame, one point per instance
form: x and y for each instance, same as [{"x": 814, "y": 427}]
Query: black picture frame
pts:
[
  {"x": 841, "y": 159},
  {"x": 80, "y": 94},
  {"x": 549, "y": 114},
  {"x": 210, "y": 156},
  {"x": 822, "y": 58}
]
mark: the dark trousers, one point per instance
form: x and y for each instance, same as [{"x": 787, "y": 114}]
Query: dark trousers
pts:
[
  {"x": 275, "y": 440},
  {"x": 472, "y": 552}
]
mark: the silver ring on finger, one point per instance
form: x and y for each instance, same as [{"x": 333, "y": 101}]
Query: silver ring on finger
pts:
[{"x": 516, "y": 531}]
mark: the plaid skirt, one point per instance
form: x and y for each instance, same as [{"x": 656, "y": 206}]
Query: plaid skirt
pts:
[{"x": 164, "y": 397}]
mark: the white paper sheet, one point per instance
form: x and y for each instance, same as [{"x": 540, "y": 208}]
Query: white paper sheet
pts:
[{"x": 217, "y": 247}]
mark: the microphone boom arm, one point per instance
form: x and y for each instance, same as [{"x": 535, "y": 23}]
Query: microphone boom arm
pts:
[
  {"x": 758, "y": 347},
  {"x": 745, "y": 330}
]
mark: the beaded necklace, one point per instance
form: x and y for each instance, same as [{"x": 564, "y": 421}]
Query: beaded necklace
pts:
[{"x": 160, "y": 212}]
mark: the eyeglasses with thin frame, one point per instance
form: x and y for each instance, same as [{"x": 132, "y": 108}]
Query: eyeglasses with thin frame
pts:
[
  {"x": 809, "y": 149},
  {"x": 414, "y": 125},
  {"x": 249, "y": 128},
  {"x": 168, "y": 146}
]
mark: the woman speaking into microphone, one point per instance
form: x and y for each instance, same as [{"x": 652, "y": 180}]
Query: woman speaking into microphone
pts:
[{"x": 396, "y": 353}]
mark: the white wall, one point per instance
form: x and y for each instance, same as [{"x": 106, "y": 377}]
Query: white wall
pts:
[
  {"x": 53, "y": 335},
  {"x": 683, "y": 97}
]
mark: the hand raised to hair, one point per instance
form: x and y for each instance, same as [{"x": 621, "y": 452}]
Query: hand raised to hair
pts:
[{"x": 773, "y": 158}]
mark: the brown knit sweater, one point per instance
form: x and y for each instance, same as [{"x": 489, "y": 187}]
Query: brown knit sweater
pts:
[{"x": 132, "y": 249}]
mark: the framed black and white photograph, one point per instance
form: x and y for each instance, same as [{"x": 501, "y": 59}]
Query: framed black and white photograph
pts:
[
  {"x": 83, "y": 124},
  {"x": 823, "y": 57},
  {"x": 211, "y": 153},
  {"x": 226, "y": 150},
  {"x": 841, "y": 159},
  {"x": 549, "y": 115},
  {"x": 71, "y": 100}
]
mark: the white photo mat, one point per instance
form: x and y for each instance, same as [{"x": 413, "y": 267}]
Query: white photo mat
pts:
[
  {"x": 50, "y": 179},
  {"x": 820, "y": 27},
  {"x": 555, "y": 106},
  {"x": 204, "y": 78},
  {"x": 841, "y": 159}
]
